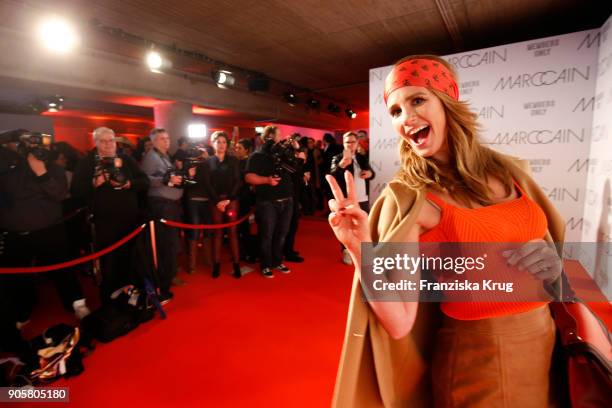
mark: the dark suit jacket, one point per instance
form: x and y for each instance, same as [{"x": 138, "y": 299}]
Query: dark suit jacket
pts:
[{"x": 338, "y": 172}]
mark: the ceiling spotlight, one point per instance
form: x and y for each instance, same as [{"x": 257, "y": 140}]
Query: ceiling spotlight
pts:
[
  {"x": 290, "y": 98},
  {"x": 223, "y": 78},
  {"x": 54, "y": 104},
  {"x": 58, "y": 35},
  {"x": 350, "y": 113},
  {"x": 313, "y": 103},
  {"x": 333, "y": 108},
  {"x": 157, "y": 63}
]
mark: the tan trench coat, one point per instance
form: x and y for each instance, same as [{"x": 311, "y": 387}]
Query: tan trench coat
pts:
[{"x": 375, "y": 370}]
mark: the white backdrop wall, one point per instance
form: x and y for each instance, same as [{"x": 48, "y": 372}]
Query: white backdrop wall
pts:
[
  {"x": 598, "y": 202},
  {"x": 534, "y": 99}
]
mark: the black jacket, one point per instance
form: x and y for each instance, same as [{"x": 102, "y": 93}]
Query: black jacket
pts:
[
  {"x": 29, "y": 202},
  {"x": 338, "y": 172},
  {"x": 104, "y": 201}
]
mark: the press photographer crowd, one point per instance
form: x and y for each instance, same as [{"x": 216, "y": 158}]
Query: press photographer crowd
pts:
[{"x": 155, "y": 215}]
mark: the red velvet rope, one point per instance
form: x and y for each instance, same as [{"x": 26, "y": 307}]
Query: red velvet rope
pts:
[
  {"x": 47, "y": 268},
  {"x": 206, "y": 226},
  {"x": 86, "y": 258}
]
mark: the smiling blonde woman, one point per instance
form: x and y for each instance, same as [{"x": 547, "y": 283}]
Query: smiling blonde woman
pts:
[{"x": 449, "y": 188}]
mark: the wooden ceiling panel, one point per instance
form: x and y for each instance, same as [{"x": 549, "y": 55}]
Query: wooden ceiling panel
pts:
[
  {"x": 318, "y": 44},
  {"x": 332, "y": 17}
]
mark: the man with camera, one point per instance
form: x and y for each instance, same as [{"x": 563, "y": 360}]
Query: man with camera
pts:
[
  {"x": 32, "y": 189},
  {"x": 109, "y": 183},
  {"x": 359, "y": 166},
  {"x": 165, "y": 193},
  {"x": 267, "y": 170}
]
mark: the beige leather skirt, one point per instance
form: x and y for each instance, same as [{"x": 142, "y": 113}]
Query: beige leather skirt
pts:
[{"x": 496, "y": 362}]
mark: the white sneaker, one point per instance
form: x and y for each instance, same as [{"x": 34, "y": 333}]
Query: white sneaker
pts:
[
  {"x": 80, "y": 308},
  {"x": 346, "y": 257}
]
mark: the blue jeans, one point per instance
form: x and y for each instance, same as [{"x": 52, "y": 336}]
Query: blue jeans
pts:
[{"x": 273, "y": 219}]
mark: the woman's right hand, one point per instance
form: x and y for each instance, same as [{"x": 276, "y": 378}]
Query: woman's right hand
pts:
[{"x": 348, "y": 221}]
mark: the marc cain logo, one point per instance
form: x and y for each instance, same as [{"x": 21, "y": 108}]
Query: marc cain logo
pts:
[
  {"x": 562, "y": 194},
  {"x": 590, "y": 39},
  {"x": 489, "y": 112},
  {"x": 543, "y": 78},
  {"x": 595, "y": 39},
  {"x": 580, "y": 165},
  {"x": 575, "y": 223},
  {"x": 476, "y": 59},
  {"x": 534, "y": 137},
  {"x": 585, "y": 104},
  {"x": 385, "y": 143}
]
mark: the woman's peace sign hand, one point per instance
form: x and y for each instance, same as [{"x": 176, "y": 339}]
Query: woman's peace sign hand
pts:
[{"x": 347, "y": 219}]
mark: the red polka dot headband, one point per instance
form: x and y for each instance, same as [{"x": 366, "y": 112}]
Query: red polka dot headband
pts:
[{"x": 421, "y": 72}]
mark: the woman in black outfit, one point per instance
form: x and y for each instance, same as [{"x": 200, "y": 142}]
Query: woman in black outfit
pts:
[{"x": 223, "y": 187}]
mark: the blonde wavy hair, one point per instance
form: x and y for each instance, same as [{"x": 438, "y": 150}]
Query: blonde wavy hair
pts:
[{"x": 465, "y": 176}]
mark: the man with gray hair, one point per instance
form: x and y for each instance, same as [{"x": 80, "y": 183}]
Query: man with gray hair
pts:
[
  {"x": 109, "y": 183},
  {"x": 164, "y": 202}
]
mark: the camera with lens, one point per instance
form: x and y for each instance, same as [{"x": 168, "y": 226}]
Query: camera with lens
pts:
[
  {"x": 186, "y": 179},
  {"x": 192, "y": 158},
  {"x": 283, "y": 156},
  {"x": 111, "y": 168},
  {"x": 35, "y": 143}
]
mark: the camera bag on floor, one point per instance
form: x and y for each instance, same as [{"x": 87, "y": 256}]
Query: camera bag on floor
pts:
[
  {"x": 58, "y": 352},
  {"x": 127, "y": 308}
]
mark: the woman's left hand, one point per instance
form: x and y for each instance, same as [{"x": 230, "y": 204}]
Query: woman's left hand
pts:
[{"x": 538, "y": 257}]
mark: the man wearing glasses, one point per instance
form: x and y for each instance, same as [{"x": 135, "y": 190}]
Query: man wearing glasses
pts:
[
  {"x": 109, "y": 183},
  {"x": 358, "y": 165}
]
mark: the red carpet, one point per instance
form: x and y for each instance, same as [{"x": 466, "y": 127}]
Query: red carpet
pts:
[{"x": 228, "y": 342}]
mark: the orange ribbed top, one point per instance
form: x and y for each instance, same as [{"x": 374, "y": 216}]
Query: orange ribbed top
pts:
[{"x": 518, "y": 221}]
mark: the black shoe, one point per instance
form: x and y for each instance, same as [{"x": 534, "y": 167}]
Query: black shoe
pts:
[
  {"x": 282, "y": 268},
  {"x": 216, "y": 270},
  {"x": 294, "y": 257},
  {"x": 237, "y": 273},
  {"x": 165, "y": 297},
  {"x": 267, "y": 273}
]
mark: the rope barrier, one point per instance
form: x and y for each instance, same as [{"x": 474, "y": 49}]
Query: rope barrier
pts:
[
  {"x": 206, "y": 226},
  {"x": 47, "y": 268},
  {"x": 122, "y": 241}
]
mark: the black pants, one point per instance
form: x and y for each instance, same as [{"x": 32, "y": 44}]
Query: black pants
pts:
[
  {"x": 288, "y": 248},
  {"x": 247, "y": 243},
  {"x": 167, "y": 238},
  {"x": 365, "y": 206},
  {"x": 117, "y": 267},
  {"x": 43, "y": 247},
  {"x": 273, "y": 219}
]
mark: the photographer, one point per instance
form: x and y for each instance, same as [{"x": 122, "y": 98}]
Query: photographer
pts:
[
  {"x": 358, "y": 165},
  {"x": 32, "y": 190},
  {"x": 274, "y": 191},
  {"x": 164, "y": 199},
  {"x": 109, "y": 184},
  {"x": 246, "y": 199},
  {"x": 197, "y": 206},
  {"x": 298, "y": 179}
]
